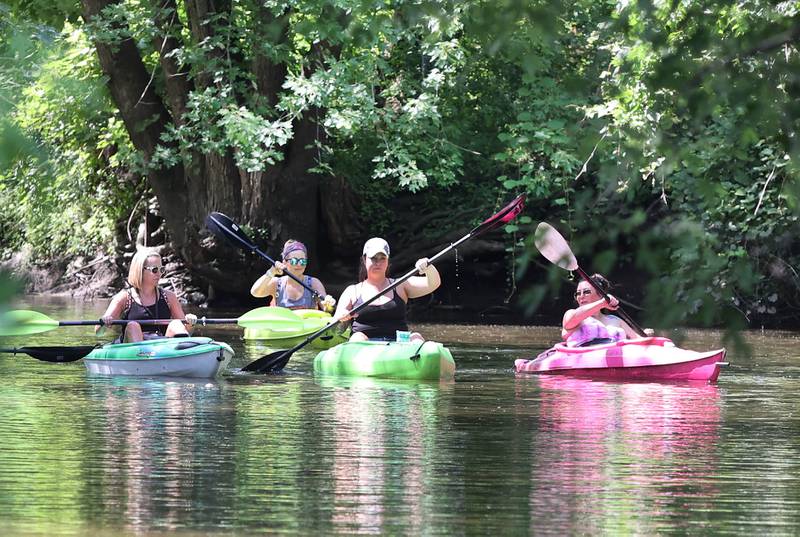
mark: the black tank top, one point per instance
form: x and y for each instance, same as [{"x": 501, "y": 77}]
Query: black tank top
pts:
[
  {"x": 381, "y": 322},
  {"x": 159, "y": 310}
]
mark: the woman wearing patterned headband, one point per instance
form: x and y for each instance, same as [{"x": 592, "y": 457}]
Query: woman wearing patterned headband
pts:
[{"x": 285, "y": 291}]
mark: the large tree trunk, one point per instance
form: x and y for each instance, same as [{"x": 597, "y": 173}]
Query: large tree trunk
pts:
[
  {"x": 145, "y": 118},
  {"x": 284, "y": 199}
]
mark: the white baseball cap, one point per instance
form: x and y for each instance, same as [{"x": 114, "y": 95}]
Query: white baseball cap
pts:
[{"x": 376, "y": 245}]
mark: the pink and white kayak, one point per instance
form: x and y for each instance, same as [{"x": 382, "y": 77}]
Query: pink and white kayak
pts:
[{"x": 649, "y": 358}]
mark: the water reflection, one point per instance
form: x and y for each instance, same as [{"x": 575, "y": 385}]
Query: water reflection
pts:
[
  {"x": 144, "y": 447},
  {"x": 611, "y": 448},
  {"x": 383, "y": 438},
  {"x": 488, "y": 454}
]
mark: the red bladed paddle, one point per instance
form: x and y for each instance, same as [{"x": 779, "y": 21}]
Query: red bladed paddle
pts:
[{"x": 277, "y": 360}]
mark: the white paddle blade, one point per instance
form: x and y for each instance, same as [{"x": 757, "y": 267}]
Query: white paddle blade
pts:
[{"x": 552, "y": 245}]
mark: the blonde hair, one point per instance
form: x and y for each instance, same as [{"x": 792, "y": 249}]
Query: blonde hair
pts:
[{"x": 137, "y": 265}]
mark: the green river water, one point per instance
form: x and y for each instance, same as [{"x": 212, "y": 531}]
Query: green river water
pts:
[{"x": 490, "y": 453}]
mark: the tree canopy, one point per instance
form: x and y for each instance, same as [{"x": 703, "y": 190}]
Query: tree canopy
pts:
[{"x": 660, "y": 137}]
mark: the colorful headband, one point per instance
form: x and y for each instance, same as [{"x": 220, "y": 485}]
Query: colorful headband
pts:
[{"x": 294, "y": 247}]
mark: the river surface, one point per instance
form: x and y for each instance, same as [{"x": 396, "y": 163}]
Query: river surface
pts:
[{"x": 490, "y": 453}]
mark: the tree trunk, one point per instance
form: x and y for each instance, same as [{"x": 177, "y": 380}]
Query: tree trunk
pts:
[{"x": 283, "y": 201}]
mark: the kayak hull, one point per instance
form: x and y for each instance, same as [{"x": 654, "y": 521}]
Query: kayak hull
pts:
[
  {"x": 390, "y": 360},
  {"x": 652, "y": 358},
  {"x": 197, "y": 357},
  {"x": 285, "y": 337}
]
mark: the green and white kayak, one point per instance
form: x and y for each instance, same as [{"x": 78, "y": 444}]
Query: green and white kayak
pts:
[
  {"x": 287, "y": 334},
  {"x": 391, "y": 360},
  {"x": 174, "y": 357}
]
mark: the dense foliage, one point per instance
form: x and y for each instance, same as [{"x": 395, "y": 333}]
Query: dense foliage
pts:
[{"x": 660, "y": 138}]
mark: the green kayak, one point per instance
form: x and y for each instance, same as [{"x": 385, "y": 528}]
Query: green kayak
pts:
[
  {"x": 303, "y": 323},
  {"x": 392, "y": 360}
]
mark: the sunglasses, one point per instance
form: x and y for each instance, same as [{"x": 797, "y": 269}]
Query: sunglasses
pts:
[
  {"x": 585, "y": 292},
  {"x": 156, "y": 270},
  {"x": 302, "y": 261}
]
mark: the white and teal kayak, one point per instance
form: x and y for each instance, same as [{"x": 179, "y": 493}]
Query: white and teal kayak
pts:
[
  {"x": 198, "y": 357},
  {"x": 390, "y": 360}
]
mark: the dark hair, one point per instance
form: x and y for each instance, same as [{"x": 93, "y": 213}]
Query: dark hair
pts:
[{"x": 601, "y": 281}]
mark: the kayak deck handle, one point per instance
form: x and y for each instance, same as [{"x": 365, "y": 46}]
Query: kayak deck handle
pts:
[
  {"x": 186, "y": 345},
  {"x": 416, "y": 356}
]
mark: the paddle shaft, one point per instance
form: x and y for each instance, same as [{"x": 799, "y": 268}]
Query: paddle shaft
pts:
[
  {"x": 148, "y": 322},
  {"x": 622, "y": 313}
]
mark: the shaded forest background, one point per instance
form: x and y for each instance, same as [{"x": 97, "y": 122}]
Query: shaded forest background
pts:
[{"x": 659, "y": 137}]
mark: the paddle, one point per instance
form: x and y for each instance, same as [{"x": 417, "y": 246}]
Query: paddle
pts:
[
  {"x": 225, "y": 228},
  {"x": 53, "y": 354},
  {"x": 27, "y": 322},
  {"x": 554, "y": 247},
  {"x": 278, "y": 360}
]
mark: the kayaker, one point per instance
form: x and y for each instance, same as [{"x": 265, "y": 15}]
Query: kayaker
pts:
[
  {"x": 144, "y": 299},
  {"x": 286, "y": 292},
  {"x": 386, "y": 316},
  {"x": 588, "y": 324}
]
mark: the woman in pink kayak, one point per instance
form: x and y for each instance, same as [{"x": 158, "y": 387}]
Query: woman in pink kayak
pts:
[{"x": 588, "y": 324}]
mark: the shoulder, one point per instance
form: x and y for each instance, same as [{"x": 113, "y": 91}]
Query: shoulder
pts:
[
  {"x": 121, "y": 296},
  {"x": 350, "y": 290},
  {"x": 168, "y": 295}
]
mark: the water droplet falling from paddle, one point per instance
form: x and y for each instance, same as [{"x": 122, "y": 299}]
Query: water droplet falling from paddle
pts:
[{"x": 458, "y": 280}]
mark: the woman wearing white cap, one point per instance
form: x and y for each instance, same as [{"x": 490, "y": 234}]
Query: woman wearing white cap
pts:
[{"x": 387, "y": 314}]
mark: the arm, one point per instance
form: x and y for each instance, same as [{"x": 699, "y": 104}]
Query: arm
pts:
[
  {"x": 176, "y": 310},
  {"x": 113, "y": 311},
  {"x": 574, "y": 318},
  {"x": 327, "y": 302},
  {"x": 430, "y": 280},
  {"x": 345, "y": 305},
  {"x": 267, "y": 284}
]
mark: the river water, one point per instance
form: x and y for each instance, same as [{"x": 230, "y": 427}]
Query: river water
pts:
[{"x": 488, "y": 453}]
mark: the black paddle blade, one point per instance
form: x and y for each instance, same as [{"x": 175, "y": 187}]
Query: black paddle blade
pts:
[
  {"x": 224, "y": 228},
  {"x": 503, "y": 216},
  {"x": 53, "y": 354},
  {"x": 271, "y": 363}
]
